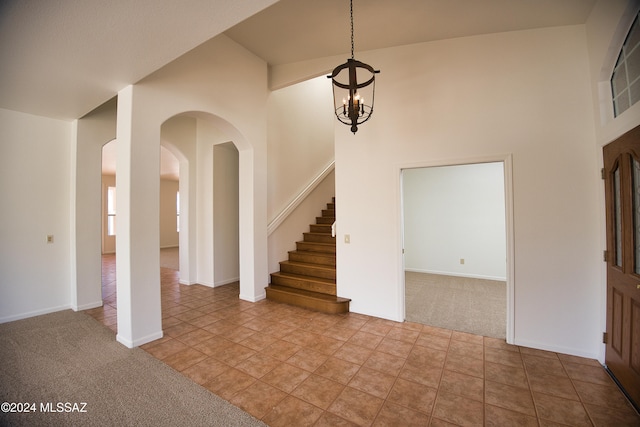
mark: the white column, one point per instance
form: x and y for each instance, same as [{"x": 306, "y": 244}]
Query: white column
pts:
[{"x": 137, "y": 224}]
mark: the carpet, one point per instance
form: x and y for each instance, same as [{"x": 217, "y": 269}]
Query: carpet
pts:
[
  {"x": 462, "y": 304},
  {"x": 68, "y": 362}
]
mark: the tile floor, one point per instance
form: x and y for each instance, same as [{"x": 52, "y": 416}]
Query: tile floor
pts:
[{"x": 292, "y": 367}]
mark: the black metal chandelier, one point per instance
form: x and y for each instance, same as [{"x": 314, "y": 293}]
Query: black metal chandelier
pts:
[{"x": 349, "y": 95}]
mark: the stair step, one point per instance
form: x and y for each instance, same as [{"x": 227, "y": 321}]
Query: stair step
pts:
[
  {"x": 307, "y": 283},
  {"x": 320, "y": 228},
  {"x": 325, "y": 220},
  {"x": 327, "y": 248},
  {"x": 314, "y": 257},
  {"x": 308, "y": 278},
  {"x": 312, "y": 300},
  {"x": 329, "y": 212},
  {"x": 306, "y": 269},
  {"x": 319, "y": 238}
]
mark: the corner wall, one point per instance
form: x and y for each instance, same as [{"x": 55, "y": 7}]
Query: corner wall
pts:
[
  {"x": 454, "y": 220},
  {"x": 35, "y": 189},
  {"x": 525, "y": 94}
]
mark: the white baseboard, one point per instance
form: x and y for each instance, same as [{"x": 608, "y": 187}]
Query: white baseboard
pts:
[
  {"x": 140, "y": 341},
  {"x": 449, "y": 273},
  {"x": 87, "y": 306},
  {"x": 33, "y": 313},
  {"x": 556, "y": 349},
  {"x": 226, "y": 282},
  {"x": 259, "y": 297}
]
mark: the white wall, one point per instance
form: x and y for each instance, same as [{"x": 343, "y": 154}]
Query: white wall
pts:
[
  {"x": 168, "y": 213},
  {"x": 35, "y": 180},
  {"x": 300, "y": 139},
  {"x": 226, "y": 249},
  {"x": 453, "y": 213},
  {"x": 525, "y": 94}
]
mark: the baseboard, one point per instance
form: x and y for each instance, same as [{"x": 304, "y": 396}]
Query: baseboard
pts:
[
  {"x": 87, "y": 306},
  {"x": 226, "y": 282},
  {"x": 140, "y": 341},
  {"x": 556, "y": 349},
  {"x": 34, "y": 313},
  {"x": 448, "y": 273},
  {"x": 259, "y": 297},
  {"x": 169, "y": 247},
  {"x": 187, "y": 282}
]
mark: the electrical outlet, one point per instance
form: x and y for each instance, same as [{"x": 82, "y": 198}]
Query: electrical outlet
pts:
[
  {"x": 49, "y": 238},
  {"x": 461, "y": 260},
  {"x": 347, "y": 238}
]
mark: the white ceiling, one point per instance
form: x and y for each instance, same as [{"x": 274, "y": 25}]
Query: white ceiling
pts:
[
  {"x": 63, "y": 58},
  {"x": 298, "y": 30}
]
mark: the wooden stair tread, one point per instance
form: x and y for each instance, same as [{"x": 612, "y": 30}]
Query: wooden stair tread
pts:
[
  {"x": 314, "y": 253},
  {"x": 307, "y": 264},
  {"x": 304, "y": 277},
  {"x": 309, "y": 294},
  {"x": 308, "y": 278}
]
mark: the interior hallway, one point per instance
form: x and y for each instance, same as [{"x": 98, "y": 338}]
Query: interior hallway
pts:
[{"x": 289, "y": 366}]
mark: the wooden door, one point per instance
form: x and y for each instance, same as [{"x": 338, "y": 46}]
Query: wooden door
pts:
[{"x": 622, "y": 194}]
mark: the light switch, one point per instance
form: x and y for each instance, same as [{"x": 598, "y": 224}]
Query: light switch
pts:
[
  {"x": 347, "y": 238},
  {"x": 49, "y": 238}
]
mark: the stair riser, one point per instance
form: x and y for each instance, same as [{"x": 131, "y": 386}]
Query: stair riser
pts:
[
  {"x": 328, "y": 260},
  {"x": 320, "y": 228},
  {"x": 329, "y": 213},
  {"x": 323, "y": 306},
  {"x": 325, "y": 220},
  {"x": 308, "y": 270},
  {"x": 307, "y": 285},
  {"x": 319, "y": 238},
  {"x": 314, "y": 247}
]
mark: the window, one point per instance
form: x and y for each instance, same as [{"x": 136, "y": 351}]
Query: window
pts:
[
  {"x": 178, "y": 211},
  {"x": 625, "y": 81},
  {"x": 111, "y": 211}
]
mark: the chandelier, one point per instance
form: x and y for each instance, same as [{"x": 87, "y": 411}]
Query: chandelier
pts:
[{"x": 353, "y": 88}]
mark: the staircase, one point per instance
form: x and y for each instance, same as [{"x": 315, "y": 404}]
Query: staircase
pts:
[{"x": 308, "y": 278}]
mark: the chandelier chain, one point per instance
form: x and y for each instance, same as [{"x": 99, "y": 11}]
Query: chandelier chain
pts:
[{"x": 352, "y": 43}]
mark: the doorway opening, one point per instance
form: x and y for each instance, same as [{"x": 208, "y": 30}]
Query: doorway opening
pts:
[{"x": 455, "y": 247}]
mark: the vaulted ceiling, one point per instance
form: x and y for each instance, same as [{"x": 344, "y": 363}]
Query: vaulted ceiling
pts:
[{"x": 61, "y": 59}]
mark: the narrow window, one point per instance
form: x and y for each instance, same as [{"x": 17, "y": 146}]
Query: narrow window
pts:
[
  {"x": 625, "y": 81},
  {"x": 178, "y": 211},
  {"x": 111, "y": 211}
]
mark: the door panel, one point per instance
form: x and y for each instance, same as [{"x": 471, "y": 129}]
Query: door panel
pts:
[{"x": 622, "y": 197}]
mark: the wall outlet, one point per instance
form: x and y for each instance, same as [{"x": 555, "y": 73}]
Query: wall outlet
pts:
[
  {"x": 461, "y": 260},
  {"x": 49, "y": 238}
]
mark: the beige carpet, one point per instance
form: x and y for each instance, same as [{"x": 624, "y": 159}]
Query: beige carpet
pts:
[
  {"x": 69, "y": 357},
  {"x": 462, "y": 304}
]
